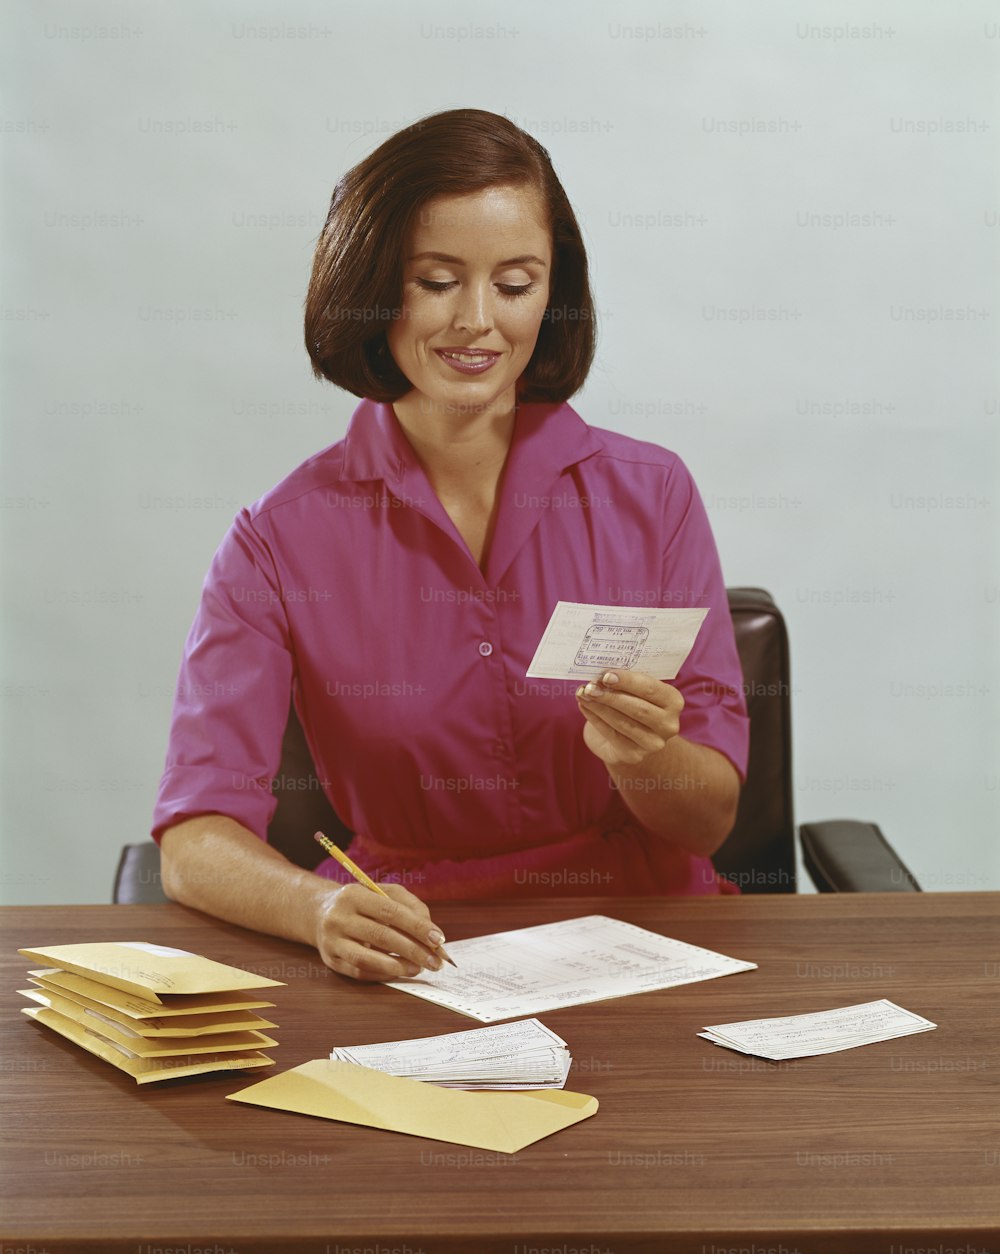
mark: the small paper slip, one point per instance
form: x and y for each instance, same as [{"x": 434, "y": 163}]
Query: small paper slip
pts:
[
  {"x": 522, "y": 1055},
  {"x": 826, "y": 1032},
  {"x": 534, "y": 969},
  {"x": 581, "y": 641}
]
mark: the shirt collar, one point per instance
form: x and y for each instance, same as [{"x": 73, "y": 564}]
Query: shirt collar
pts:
[{"x": 547, "y": 438}]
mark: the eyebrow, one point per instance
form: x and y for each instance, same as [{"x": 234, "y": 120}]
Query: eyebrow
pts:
[{"x": 457, "y": 261}]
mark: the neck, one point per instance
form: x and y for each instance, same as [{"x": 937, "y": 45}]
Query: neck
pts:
[{"x": 451, "y": 443}]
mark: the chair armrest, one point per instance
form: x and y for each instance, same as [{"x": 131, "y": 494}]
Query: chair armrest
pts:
[
  {"x": 137, "y": 880},
  {"x": 848, "y": 856}
]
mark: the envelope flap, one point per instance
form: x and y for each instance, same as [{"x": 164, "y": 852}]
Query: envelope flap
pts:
[
  {"x": 146, "y": 969},
  {"x": 503, "y": 1122}
]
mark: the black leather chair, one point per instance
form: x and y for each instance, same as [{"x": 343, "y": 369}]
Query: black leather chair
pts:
[{"x": 841, "y": 855}]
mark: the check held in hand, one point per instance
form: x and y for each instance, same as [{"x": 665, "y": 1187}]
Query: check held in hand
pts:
[
  {"x": 622, "y": 653},
  {"x": 582, "y": 641}
]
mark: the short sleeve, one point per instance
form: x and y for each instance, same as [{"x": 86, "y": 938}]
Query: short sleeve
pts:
[
  {"x": 711, "y": 679},
  {"x": 233, "y": 692}
]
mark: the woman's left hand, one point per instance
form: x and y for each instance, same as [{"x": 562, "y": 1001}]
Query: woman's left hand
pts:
[{"x": 630, "y": 716}]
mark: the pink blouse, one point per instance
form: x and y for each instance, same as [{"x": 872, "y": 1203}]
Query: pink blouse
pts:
[{"x": 349, "y": 587}]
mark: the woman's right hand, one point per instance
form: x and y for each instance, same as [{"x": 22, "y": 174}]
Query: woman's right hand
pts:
[{"x": 370, "y": 937}]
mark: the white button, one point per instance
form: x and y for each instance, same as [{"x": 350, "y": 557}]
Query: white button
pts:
[{"x": 486, "y": 648}]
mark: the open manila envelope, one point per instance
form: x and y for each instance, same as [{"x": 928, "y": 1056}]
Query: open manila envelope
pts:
[
  {"x": 503, "y": 1122},
  {"x": 147, "y": 970}
]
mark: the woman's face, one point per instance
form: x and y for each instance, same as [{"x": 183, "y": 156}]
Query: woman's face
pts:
[{"x": 475, "y": 289}]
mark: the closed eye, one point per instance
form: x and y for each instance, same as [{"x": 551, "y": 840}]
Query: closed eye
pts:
[{"x": 505, "y": 289}]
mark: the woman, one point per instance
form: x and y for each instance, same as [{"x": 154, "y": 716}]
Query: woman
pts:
[{"x": 397, "y": 584}]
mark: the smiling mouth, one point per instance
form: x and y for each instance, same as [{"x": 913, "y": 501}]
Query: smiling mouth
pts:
[
  {"x": 470, "y": 357},
  {"x": 468, "y": 361}
]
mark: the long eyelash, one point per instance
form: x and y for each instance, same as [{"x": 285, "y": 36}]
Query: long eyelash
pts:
[{"x": 506, "y": 289}]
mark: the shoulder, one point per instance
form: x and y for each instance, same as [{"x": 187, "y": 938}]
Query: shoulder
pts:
[
  {"x": 619, "y": 452},
  {"x": 307, "y": 483},
  {"x": 654, "y": 479},
  {"x": 625, "y": 448}
]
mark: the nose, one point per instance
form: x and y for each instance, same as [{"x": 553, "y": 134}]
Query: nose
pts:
[{"x": 474, "y": 310}]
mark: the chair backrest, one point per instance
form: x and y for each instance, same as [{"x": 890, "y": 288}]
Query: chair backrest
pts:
[
  {"x": 759, "y": 854},
  {"x": 302, "y": 807}
]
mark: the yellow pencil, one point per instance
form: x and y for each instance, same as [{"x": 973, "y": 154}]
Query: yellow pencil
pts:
[{"x": 362, "y": 878}]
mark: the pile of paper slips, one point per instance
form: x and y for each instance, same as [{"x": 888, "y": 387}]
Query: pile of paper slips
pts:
[
  {"x": 825, "y": 1032},
  {"x": 520, "y": 1055}
]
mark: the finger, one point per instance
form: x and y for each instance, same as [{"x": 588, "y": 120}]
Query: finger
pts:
[
  {"x": 359, "y": 963},
  {"x": 607, "y": 718},
  {"x": 635, "y": 683},
  {"x": 656, "y": 694},
  {"x": 655, "y": 718},
  {"x": 612, "y": 746},
  {"x": 386, "y": 925},
  {"x": 395, "y": 907},
  {"x": 435, "y": 936},
  {"x": 405, "y": 898},
  {"x": 402, "y": 944}
]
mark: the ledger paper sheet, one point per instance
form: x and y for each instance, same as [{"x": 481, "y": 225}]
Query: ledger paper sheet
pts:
[{"x": 535, "y": 969}]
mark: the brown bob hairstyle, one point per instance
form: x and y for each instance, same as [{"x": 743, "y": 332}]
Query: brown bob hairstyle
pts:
[{"x": 357, "y": 276}]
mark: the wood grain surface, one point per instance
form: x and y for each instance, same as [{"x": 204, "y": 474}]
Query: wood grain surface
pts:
[{"x": 893, "y": 1147}]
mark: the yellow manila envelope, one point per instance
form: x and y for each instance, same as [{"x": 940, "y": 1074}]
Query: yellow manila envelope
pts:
[
  {"x": 144, "y": 1070},
  {"x": 140, "y": 1008},
  {"x": 131, "y": 1041},
  {"x": 168, "y": 1025},
  {"x": 147, "y": 970},
  {"x": 503, "y": 1122}
]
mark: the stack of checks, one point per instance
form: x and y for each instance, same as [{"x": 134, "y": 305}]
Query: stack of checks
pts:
[{"x": 522, "y": 1055}]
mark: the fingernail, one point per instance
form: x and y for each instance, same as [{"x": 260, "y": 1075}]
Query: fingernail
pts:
[
  {"x": 591, "y": 690},
  {"x": 609, "y": 677},
  {"x": 435, "y": 937},
  {"x": 412, "y": 969},
  {"x": 434, "y": 962}
]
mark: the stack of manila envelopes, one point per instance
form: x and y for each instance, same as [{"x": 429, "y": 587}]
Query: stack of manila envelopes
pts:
[
  {"x": 154, "y": 1012},
  {"x": 502, "y": 1122}
]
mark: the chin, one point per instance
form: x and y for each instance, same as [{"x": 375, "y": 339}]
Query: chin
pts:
[{"x": 462, "y": 392}]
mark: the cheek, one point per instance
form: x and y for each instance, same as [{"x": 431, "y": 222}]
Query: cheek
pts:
[
  {"x": 523, "y": 325},
  {"x": 405, "y": 330}
]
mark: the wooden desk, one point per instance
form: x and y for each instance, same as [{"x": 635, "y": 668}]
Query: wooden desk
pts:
[{"x": 892, "y": 1148}]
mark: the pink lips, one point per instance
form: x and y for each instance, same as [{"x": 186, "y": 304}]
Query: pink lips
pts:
[{"x": 476, "y": 360}]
